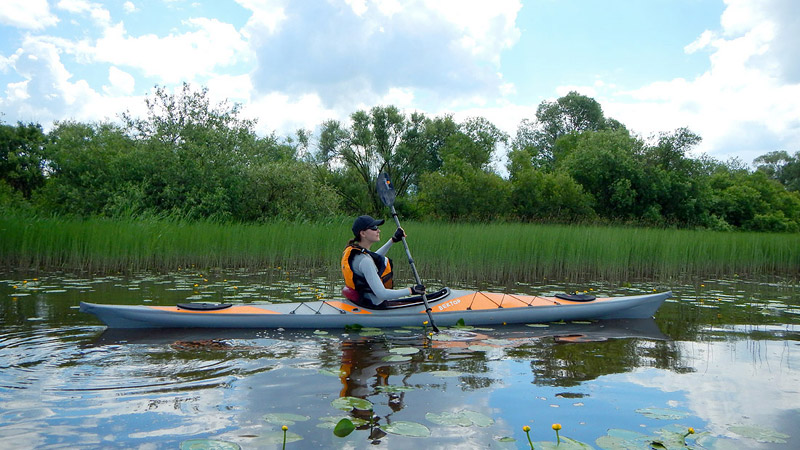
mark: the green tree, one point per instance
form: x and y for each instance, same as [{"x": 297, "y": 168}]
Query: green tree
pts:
[
  {"x": 604, "y": 163},
  {"x": 546, "y": 196},
  {"x": 782, "y": 167},
  {"x": 465, "y": 187},
  {"x": 383, "y": 140},
  {"x": 22, "y": 161},
  {"x": 571, "y": 114}
]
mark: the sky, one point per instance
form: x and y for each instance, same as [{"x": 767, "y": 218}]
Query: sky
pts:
[{"x": 729, "y": 70}]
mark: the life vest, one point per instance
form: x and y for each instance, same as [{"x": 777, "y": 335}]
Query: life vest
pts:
[{"x": 358, "y": 282}]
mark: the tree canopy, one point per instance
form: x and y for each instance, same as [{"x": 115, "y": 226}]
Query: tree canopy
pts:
[{"x": 190, "y": 158}]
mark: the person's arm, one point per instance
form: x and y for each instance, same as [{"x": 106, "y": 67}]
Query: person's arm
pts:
[
  {"x": 367, "y": 267},
  {"x": 384, "y": 249}
]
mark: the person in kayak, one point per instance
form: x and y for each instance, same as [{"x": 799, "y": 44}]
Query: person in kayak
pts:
[{"x": 369, "y": 273}]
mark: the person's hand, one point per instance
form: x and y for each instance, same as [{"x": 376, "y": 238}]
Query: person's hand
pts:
[
  {"x": 399, "y": 234},
  {"x": 417, "y": 290}
]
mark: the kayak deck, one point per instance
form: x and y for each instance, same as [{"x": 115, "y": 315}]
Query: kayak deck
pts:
[{"x": 474, "y": 307}]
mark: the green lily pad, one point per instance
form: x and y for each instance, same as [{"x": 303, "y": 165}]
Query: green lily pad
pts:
[
  {"x": 348, "y": 403},
  {"x": 330, "y": 422},
  {"x": 344, "y": 428},
  {"x": 410, "y": 429},
  {"x": 463, "y": 418},
  {"x": 276, "y": 437},
  {"x": 619, "y": 439},
  {"x": 370, "y": 333},
  {"x": 760, "y": 434},
  {"x": 394, "y": 388},
  {"x": 404, "y": 350},
  {"x": 396, "y": 358},
  {"x": 446, "y": 373},
  {"x": 498, "y": 342},
  {"x": 284, "y": 418},
  {"x": 537, "y": 325},
  {"x": 208, "y": 444},
  {"x": 481, "y": 348},
  {"x": 449, "y": 419},
  {"x": 662, "y": 414},
  {"x": 506, "y": 439},
  {"x": 566, "y": 444},
  {"x": 333, "y": 373},
  {"x": 478, "y": 419},
  {"x": 320, "y": 332}
]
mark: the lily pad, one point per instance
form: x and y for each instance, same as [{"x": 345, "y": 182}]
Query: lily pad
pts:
[
  {"x": 446, "y": 373},
  {"x": 662, "y": 414},
  {"x": 537, "y": 325},
  {"x": 284, "y": 418},
  {"x": 208, "y": 444},
  {"x": 396, "y": 358},
  {"x": 506, "y": 439},
  {"x": 320, "y": 332},
  {"x": 404, "y": 350},
  {"x": 481, "y": 348},
  {"x": 566, "y": 444},
  {"x": 394, "y": 388},
  {"x": 478, "y": 419},
  {"x": 760, "y": 434},
  {"x": 449, "y": 419},
  {"x": 463, "y": 418},
  {"x": 344, "y": 428},
  {"x": 618, "y": 439},
  {"x": 348, "y": 403},
  {"x": 410, "y": 429},
  {"x": 276, "y": 437},
  {"x": 333, "y": 373},
  {"x": 330, "y": 422}
]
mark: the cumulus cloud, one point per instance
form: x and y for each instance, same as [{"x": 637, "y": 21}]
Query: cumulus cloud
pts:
[
  {"x": 740, "y": 105},
  {"x": 176, "y": 57},
  {"x": 27, "y": 14},
  {"x": 359, "y": 49}
]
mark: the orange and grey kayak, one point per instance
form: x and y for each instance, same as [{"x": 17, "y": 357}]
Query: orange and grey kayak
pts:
[{"x": 448, "y": 308}]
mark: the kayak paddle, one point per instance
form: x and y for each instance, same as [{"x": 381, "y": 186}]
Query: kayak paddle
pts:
[{"x": 387, "y": 194}]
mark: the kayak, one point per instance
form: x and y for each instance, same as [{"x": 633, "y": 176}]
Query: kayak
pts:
[{"x": 448, "y": 308}]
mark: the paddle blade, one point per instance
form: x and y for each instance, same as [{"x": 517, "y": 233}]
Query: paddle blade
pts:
[{"x": 385, "y": 189}]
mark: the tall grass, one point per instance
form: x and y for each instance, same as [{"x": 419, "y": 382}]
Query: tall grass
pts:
[{"x": 497, "y": 252}]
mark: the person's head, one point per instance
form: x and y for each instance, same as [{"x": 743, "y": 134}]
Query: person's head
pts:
[{"x": 365, "y": 227}]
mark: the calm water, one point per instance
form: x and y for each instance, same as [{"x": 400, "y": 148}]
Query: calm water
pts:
[{"x": 721, "y": 357}]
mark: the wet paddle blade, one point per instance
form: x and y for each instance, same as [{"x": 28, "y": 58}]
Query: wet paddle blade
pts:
[{"x": 385, "y": 189}]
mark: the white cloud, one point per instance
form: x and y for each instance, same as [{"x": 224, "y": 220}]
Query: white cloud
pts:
[
  {"x": 129, "y": 7},
  {"x": 121, "y": 82},
  {"x": 28, "y": 14},
  {"x": 177, "y": 57},
  {"x": 441, "y": 50},
  {"x": 96, "y": 12},
  {"x": 743, "y": 104}
]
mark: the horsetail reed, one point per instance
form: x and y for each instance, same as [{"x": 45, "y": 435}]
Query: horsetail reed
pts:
[{"x": 497, "y": 252}]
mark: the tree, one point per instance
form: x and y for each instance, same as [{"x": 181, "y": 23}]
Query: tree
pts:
[
  {"x": 22, "y": 161},
  {"x": 383, "y": 140},
  {"x": 604, "y": 164},
  {"x": 572, "y": 113},
  {"x": 782, "y": 167},
  {"x": 539, "y": 195}
]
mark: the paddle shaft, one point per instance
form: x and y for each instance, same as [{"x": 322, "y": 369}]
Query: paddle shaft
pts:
[{"x": 414, "y": 271}]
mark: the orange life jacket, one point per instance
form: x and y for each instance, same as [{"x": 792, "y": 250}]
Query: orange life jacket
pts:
[{"x": 358, "y": 282}]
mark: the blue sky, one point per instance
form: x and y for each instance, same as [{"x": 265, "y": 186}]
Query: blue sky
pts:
[{"x": 727, "y": 69}]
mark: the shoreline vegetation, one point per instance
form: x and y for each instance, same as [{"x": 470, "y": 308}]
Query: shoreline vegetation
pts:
[{"x": 500, "y": 252}]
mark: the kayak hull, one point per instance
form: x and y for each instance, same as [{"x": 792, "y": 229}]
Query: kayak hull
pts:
[{"x": 473, "y": 307}]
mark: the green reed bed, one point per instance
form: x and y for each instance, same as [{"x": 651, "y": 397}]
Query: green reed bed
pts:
[{"x": 470, "y": 252}]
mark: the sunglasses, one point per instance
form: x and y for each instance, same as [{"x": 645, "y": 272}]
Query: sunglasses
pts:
[{"x": 373, "y": 228}]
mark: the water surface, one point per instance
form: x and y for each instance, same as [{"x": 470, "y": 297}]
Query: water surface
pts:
[{"x": 721, "y": 357}]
